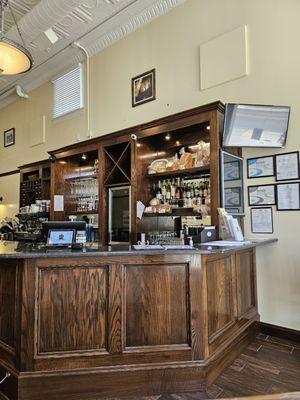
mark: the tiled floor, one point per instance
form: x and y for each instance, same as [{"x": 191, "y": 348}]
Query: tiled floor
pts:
[{"x": 268, "y": 365}]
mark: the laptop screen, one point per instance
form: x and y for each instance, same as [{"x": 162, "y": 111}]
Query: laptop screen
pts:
[{"x": 61, "y": 237}]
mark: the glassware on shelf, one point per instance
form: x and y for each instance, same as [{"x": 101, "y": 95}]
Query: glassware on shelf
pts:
[{"x": 84, "y": 193}]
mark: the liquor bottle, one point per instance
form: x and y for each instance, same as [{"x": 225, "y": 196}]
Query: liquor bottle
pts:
[
  {"x": 188, "y": 202},
  {"x": 158, "y": 193},
  {"x": 163, "y": 191},
  {"x": 184, "y": 191},
  {"x": 173, "y": 190},
  {"x": 178, "y": 191},
  {"x": 168, "y": 191}
]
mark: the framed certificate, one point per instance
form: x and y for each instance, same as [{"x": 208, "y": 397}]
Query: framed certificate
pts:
[
  {"x": 262, "y": 220},
  {"x": 233, "y": 197},
  {"x": 287, "y": 166},
  {"x": 260, "y": 167},
  {"x": 288, "y": 196},
  {"x": 232, "y": 171},
  {"x": 261, "y": 195}
]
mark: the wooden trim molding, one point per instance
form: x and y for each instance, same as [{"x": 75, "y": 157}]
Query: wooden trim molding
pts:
[
  {"x": 280, "y": 331},
  {"x": 217, "y": 105},
  {"x": 15, "y": 171}
]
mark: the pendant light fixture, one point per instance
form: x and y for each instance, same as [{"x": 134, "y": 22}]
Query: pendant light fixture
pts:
[{"x": 14, "y": 58}]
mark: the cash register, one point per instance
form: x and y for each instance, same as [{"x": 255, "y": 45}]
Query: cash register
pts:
[{"x": 64, "y": 235}]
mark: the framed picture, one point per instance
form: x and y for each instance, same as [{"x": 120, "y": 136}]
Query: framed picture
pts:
[
  {"x": 262, "y": 220},
  {"x": 261, "y": 195},
  {"x": 288, "y": 196},
  {"x": 143, "y": 88},
  {"x": 9, "y": 137},
  {"x": 287, "y": 166},
  {"x": 260, "y": 167},
  {"x": 233, "y": 197},
  {"x": 232, "y": 171}
]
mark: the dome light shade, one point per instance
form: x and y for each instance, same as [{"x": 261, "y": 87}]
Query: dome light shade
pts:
[{"x": 14, "y": 58}]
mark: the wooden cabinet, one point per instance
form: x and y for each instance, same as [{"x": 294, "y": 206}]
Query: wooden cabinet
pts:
[
  {"x": 34, "y": 182},
  {"x": 124, "y": 157},
  {"x": 122, "y": 325}
]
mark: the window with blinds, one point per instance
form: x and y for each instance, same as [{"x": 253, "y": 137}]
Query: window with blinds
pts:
[{"x": 68, "y": 92}]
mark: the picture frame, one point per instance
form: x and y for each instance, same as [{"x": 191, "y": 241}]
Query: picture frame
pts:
[
  {"x": 260, "y": 167},
  {"x": 233, "y": 197},
  {"x": 143, "y": 88},
  {"x": 262, "y": 220},
  {"x": 287, "y": 166},
  {"x": 288, "y": 196},
  {"x": 262, "y": 195},
  {"x": 232, "y": 171},
  {"x": 9, "y": 137}
]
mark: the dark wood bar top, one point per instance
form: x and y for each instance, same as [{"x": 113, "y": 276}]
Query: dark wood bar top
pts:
[{"x": 22, "y": 250}]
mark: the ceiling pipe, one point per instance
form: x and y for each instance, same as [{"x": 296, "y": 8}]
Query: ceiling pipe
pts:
[{"x": 88, "y": 88}]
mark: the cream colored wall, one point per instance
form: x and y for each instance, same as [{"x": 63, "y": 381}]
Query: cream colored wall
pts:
[
  {"x": 171, "y": 45},
  {"x": 9, "y": 190}
]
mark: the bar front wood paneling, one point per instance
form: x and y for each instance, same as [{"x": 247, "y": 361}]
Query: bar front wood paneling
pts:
[{"x": 103, "y": 326}]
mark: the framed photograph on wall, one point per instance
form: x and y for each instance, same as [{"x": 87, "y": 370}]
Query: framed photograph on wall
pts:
[
  {"x": 262, "y": 220},
  {"x": 261, "y": 195},
  {"x": 143, "y": 88},
  {"x": 233, "y": 197},
  {"x": 288, "y": 196},
  {"x": 260, "y": 167},
  {"x": 287, "y": 166},
  {"x": 232, "y": 171},
  {"x": 9, "y": 137}
]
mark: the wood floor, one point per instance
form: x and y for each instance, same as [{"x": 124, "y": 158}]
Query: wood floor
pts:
[{"x": 268, "y": 365}]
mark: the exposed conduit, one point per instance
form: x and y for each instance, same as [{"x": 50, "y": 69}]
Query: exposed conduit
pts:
[{"x": 88, "y": 88}]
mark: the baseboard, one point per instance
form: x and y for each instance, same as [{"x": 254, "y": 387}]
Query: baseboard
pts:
[
  {"x": 279, "y": 331},
  {"x": 124, "y": 381}
]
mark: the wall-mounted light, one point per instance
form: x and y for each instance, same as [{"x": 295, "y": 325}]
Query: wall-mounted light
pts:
[
  {"x": 84, "y": 157},
  {"x": 177, "y": 143},
  {"x": 208, "y": 127},
  {"x": 168, "y": 136}
]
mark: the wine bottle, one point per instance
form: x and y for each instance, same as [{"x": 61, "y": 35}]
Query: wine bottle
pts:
[
  {"x": 163, "y": 191},
  {"x": 158, "y": 194},
  {"x": 168, "y": 191}
]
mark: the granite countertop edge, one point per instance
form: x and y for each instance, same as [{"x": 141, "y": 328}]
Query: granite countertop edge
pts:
[{"x": 17, "y": 250}]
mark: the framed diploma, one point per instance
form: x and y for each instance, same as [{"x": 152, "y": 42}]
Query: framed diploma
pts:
[
  {"x": 233, "y": 197},
  {"x": 288, "y": 196},
  {"x": 262, "y": 220},
  {"x": 260, "y": 167},
  {"x": 287, "y": 166},
  {"x": 261, "y": 195},
  {"x": 232, "y": 171}
]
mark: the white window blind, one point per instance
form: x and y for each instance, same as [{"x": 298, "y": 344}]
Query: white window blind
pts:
[{"x": 68, "y": 92}]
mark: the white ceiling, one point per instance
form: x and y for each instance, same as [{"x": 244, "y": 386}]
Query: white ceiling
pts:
[{"x": 95, "y": 24}]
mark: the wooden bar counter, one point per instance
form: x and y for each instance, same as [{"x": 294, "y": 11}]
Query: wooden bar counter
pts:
[{"x": 108, "y": 322}]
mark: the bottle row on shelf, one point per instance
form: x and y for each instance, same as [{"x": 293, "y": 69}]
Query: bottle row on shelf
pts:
[{"x": 180, "y": 193}]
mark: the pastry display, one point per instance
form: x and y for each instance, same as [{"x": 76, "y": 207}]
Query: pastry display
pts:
[{"x": 184, "y": 160}]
